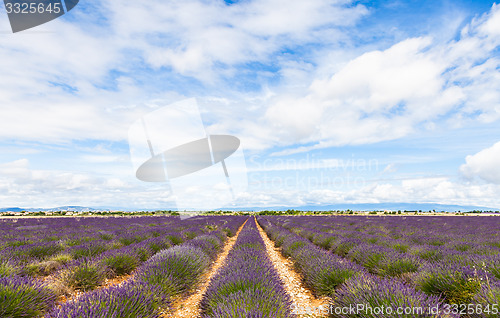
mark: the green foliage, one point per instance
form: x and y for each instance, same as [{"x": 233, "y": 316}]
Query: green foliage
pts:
[
  {"x": 372, "y": 240},
  {"x": 42, "y": 251},
  {"x": 106, "y": 236},
  {"x": 431, "y": 255},
  {"x": 398, "y": 267},
  {"x": 326, "y": 280},
  {"x": 488, "y": 296},
  {"x": 19, "y": 243},
  {"x": 402, "y": 248},
  {"x": 127, "y": 240},
  {"x": 176, "y": 240},
  {"x": 143, "y": 254},
  {"x": 7, "y": 269},
  {"x": 437, "y": 242},
  {"x": 86, "y": 276},
  {"x": 43, "y": 268},
  {"x": 61, "y": 258},
  {"x": 24, "y": 300},
  {"x": 190, "y": 235},
  {"x": 288, "y": 250},
  {"x": 462, "y": 247},
  {"x": 157, "y": 246},
  {"x": 121, "y": 264},
  {"x": 343, "y": 248},
  {"x": 210, "y": 227},
  {"x": 278, "y": 241},
  {"x": 88, "y": 251},
  {"x": 325, "y": 242},
  {"x": 495, "y": 270},
  {"x": 229, "y": 232},
  {"x": 454, "y": 286}
]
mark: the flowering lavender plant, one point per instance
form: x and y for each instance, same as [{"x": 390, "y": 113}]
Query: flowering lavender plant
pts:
[
  {"x": 247, "y": 285},
  {"x": 24, "y": 297}
]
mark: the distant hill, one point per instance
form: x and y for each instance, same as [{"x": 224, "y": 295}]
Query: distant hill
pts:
[
  {"x": 394, "y": 206},
  {"x": 72, "y": 208},
  {"x": 11, "y": 209}
]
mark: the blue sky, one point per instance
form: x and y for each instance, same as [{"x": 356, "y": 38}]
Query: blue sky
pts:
[{"x": 334, "y": 101}]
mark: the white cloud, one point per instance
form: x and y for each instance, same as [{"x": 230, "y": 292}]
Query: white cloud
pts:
[
  {"x": 91, "y": 75},
  {"x": 377, "y": 96},
  {"x": 15, "y": 169},
  {"x": 384, "y": 95},
  {"x": 484, "y": 165},
  {"x": 46, "y": 188},
  {"x": 417, "y": 190},
  {"x": 198, "y": 35},
  {"x": 21, "y": 185}
]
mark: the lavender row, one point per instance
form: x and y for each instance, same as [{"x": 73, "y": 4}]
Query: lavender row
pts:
[
  {"x": 346, "y": 282},
  {"x": 247, "y": 285}
]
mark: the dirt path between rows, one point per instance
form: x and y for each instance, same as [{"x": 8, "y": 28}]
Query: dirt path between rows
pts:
[
  {"x": 304, "y": 302},
  {"x": 190, "y": 307}
]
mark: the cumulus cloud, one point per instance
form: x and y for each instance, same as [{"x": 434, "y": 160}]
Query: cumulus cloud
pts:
[
  {"x": 44, "y": 188},
  {"x": 437, "y": 190},
  {"x": 89, "y": 80},
  {"x": 93, "y": 72},
  {"x": 484, "y": 165},
  {"x": 198, "y": 35},
  {"x": 384, "y": 95}
]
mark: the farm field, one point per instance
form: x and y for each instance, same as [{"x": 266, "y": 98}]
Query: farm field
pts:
[{"x": 245, "y": 266}]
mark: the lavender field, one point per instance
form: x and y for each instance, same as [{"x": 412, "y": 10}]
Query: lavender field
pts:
[
  {"x": 220, "y": 266},
  {"x": 59, "y": 267}
]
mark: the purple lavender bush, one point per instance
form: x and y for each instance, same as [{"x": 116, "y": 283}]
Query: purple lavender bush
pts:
[
  {"x": 247, "y": 285},
  {"x": 120, "y": 263},
  {"x": 371, "y": 296},
  {"x": 487, "y": 300},
  {"x": 85, "y": 275},
  {"x": 209, "y": 243},
  {"x": 24, "y": 297},
  {"x": 396, "y": 265},
  {"x": 174, "y": 270},
  {"x": 127, "y": 301},
  {"x": 324, "y": 272},
  {"x": 8, "y": 268},
  {"x": 455, "y": 284}
]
